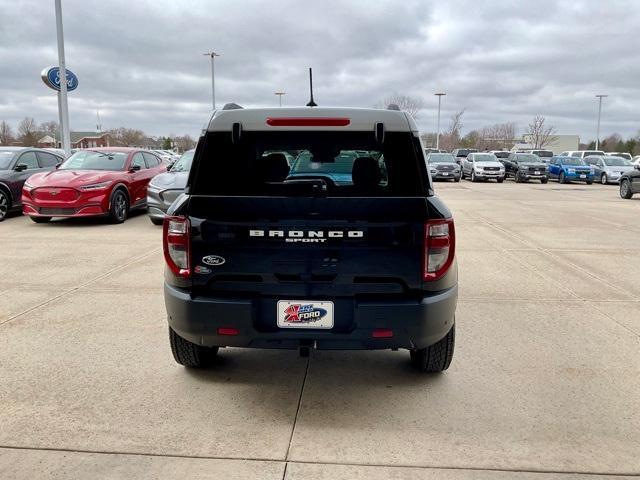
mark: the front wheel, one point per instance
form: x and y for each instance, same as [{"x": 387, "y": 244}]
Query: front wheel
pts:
[
  {"x": 473, "y": 176},
  {"x": 544, "y": 180},
  {"x": 625, "y": 189},
  {"x": 437, "y": 357},
  {"x": 499, "y": 180},
  {"x": 517, "y": 177},
  {"x": 119, "y": 208},
  {"x": 562, "y": 178},
  {"x": 5, "y": 204},
  {"x": 189, "y": 354},
  {"x": 603, "y": 179}
]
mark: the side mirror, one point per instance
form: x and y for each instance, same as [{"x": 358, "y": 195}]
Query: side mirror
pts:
[
  {"x": 21, "y": 167},
  {"x": 58, "y": 165},
  {"x": 134, "y": 168}
]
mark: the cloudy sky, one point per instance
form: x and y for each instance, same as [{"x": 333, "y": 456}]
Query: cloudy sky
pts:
[{"x": 140, "y": 62}]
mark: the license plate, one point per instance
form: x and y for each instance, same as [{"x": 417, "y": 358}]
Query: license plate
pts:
[
  {"x": 445, "y": 173},
  {"x": 536, "y": 173},
  {"x": 583, "y": 176},
  {"x": 304, "y": 314}
]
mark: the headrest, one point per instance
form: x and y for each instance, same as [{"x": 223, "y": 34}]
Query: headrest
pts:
[
  {"x": 365, "y": 173},
  {"x": 274, "y": 168}
]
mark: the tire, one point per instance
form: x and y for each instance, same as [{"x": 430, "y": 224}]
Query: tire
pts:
[
  {"x": 5, "y": 204},
  {"x": 544, "y": 180},
  {"x": 499, "y": 180},
  {"x": 589, "y": 182},
  {"x": 156, "y": 221},
  {"x": 473, "y": 176},
  {"x": 625, "y": 189},
  {"x": 119, "y": 209},
  {"x": 462, "y": 174},
  {"x": 189, "y": 354},
  {"x": 40, "y": 219},
  {"x": 603, "y": 179},
  {"x": 516, "y": 177},
  {"x": 456, "y": 179},
  {"x": 437, "y": 357},
  {"x": 562, "y": 178}
]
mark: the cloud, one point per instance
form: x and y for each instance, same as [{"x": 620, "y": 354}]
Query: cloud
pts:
[{"x": 141, "y": 62}]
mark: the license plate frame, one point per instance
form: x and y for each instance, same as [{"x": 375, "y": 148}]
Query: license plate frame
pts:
[{"x": 305, "y": 314}]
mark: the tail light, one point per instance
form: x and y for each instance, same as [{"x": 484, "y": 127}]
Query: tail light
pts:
[
  {"x": 176, "y": 240},
  {"x": 439, "y": 248}
]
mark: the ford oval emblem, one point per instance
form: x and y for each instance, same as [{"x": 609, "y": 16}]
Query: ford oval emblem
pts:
[
  {"x": 213, "y": 260},
  {"x": 51, "y": 78}
]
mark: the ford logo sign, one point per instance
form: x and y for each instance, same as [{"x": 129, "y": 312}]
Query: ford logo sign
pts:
[
  {"x": 213, "y": 260},
  {"x": 51, "y": 78}
]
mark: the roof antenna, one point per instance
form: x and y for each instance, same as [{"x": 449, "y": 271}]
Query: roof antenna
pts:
[{"x": 311, "y": 102}]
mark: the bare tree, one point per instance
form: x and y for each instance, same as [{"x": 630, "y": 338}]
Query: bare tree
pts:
[
  {"x": 50, "y": 128},
  {"x": 429, "y": 139},
  {"x": 540, "y": 135},
  {"x": 411, "y": 105},
  {"x": 6, "y": 133},
  {"x": 610, "y": 144},
  {"x": 184, "y": 142},
  {"x": 498, "y": 136},
  {"x": 450, "y": 139},
  {"x": 126, "y": 137},
  {"x": 28, "y": 132}
]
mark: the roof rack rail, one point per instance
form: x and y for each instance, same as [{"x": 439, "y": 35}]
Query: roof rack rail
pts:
[
  {"x": 232, "y": 106},
  {"x": 393, "y": 106}
]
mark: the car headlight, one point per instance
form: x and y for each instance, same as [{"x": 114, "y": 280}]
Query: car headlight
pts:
[
  {"x": 434, "y": 171},
  {"x": 27, "y": 186},
  {"x": 95, "y": 186}
]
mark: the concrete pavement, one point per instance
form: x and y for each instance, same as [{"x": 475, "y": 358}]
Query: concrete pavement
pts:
[{"x": 543, "y": 385}]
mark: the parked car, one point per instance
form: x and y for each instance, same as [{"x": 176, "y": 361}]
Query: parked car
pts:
[
  {"x": 570, "y": 169},
  {"x": 524, "y": 167},
  {"x": 581, "y": 153},
  {"x": 427, "y": 151},
  {"x": 460, "y": 153},
  {"x": 94, "y": 182},
  {"x": 543, "y": 155},
  {"x": 608, "y": 169},
  {"x": 630, "y": 182},
  {"x": 501, "y": 154},
  {"x": 17, "y": 164},
  {"x": 636, "y": 160},
  {"x": 626, "y": 156},
  {"x": 58, "y": 151},
  {"x": 257, "y": 258},
  {"x": 483, "y": 166},
  {"x": 164, "y": 188},
  {"x": 443, "y": 166}
]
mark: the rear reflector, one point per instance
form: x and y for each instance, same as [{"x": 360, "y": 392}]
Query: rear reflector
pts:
[
  {"x": 228, "y": 331},
  {"x": 382, "y": 333},
  {"x": 308, "y": 122},
  {"x": 439, "y": 248}
]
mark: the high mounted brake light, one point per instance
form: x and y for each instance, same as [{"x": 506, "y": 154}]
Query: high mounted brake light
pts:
[
  {"x": 308, "y": 122},
  {"x": 439, "y": 248},
  {"x": 176, "y": 239}
]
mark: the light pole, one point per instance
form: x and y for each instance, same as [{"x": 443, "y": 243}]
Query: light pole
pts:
[
  {"x": 439, "y": 95},
  {"x": 213, "y": 78},
  {"x": 63, "y": 107},
  {"x": 280, "y": 94},
  {"x": 600, "y": 97}
]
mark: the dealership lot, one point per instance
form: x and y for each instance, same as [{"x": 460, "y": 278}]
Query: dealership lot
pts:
[{"x": 545, "y": 376}]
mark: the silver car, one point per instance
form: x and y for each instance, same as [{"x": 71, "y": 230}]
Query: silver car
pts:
[
  {"x": 443, "y": 166},
  {"x": 163, "y": 189},
  {"x": 608, "y": 169},
  {"x": 483, "y": 166}
]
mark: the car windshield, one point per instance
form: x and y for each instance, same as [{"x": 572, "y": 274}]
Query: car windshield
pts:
[
  {"x": 501, "y": 154},
  {"x": 441, "y": 158},
  {"x": 5, "y": 159},
  {"x": 485, "y": 157},
  {"x": 571, "y": 161},
  {"x": 527, "y": 157},
  {"x": 616, "y": 162},
  {"x": 543, "y": 153},
  {"x": 92, "y": 160},
  {"x": 184, "y": 163},
  {"x": 332, "y": 164}
]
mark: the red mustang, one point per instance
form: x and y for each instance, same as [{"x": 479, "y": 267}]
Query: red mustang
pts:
[{"x": 97, "y": 182}]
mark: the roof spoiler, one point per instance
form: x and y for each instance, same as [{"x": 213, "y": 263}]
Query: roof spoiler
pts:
[{"x": 232, "y": 106}]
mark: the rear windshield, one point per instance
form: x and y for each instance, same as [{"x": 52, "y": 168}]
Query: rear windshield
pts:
[
  {"x": 324, "y": 164},
  {"x": 465, "y": 152}
]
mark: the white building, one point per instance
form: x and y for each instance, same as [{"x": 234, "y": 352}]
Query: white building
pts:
[{"x": 559, "y": 143}]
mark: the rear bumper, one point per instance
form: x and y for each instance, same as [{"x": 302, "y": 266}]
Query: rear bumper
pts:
[{"x": 415, "y": 323}]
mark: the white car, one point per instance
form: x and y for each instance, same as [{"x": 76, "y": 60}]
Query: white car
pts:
[
  {"x": 482, "y": 166},
  {"x": 619, "y": 154},
  {"x": 636, "y": 160},
  {"x": 581, "y": 153}
]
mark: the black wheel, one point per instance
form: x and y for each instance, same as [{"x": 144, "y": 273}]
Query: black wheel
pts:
[
  {"x": 625, "y": 189},
  {"x": 437, "y": 357},
  {"x": 589, "y": 182},
  {"x": 473, "y": 176},
  {"x": 544, "y": 180},
  {"x": 5, "y": 204},
  {"x": 603, "y": 179},
  {"x": 462, "y": 174},
  {"x": 517, "y": 178},
  {"x": 562, "y": 178},
  {"x": 499, "y": 180},
  {"x": 119, "y": 208},
  {"x": 189, "y": 354},
  {"x": 40, "y": 219},
  {"x": 156, "y": 221},
  {"x": 457, "y": 179}
]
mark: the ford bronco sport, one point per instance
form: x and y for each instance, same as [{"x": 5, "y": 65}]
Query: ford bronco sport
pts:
[{"x": 310, "y": 228}]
